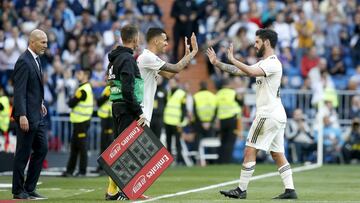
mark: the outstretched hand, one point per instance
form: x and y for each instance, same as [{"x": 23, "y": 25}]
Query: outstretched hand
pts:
[
  {"x": 187, "y": 47},
  {"x": 230, "y": 53},
  {"x": 194, "y": 44},
  {"x": 212, "y": 55}
]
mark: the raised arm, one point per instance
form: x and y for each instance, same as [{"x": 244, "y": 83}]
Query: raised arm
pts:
[
  {"x": 223, "y": 66},
  {"x": 169, "y": 70},
  {"x": 248, "y": 70}
]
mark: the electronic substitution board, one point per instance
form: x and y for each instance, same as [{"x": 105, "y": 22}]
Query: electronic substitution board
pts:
[{"x": 135, "y": 159}]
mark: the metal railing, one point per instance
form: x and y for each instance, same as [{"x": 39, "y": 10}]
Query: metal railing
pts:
[
  {"x": 292, "y": 99},
  {"x": 61, "y": 129}
]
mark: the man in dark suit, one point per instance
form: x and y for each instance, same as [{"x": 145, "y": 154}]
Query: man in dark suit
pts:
[{"x": 28, "y": 112}]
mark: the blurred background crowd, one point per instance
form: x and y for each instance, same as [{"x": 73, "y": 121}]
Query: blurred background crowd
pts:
[{"x": 319, "y": 47}]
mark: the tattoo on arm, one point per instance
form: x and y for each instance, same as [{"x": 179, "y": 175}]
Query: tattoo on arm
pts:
[
  {"x": 175, "y": 68},
  {"x": 230, "y": 68}
]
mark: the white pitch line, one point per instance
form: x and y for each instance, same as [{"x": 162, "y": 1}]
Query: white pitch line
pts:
[
  {"x": 267, "y": 175},
  {"x": 82, "y": 191}
]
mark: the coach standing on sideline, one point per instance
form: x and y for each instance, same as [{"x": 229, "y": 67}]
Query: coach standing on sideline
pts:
[{"x": 29, "y": 111}]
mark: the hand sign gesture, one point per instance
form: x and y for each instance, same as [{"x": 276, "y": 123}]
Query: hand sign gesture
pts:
[
  {"x": 212, "y": 55},
  {"x": 230, "y": 53}
]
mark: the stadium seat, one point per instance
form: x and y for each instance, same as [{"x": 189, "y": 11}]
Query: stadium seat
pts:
[
  {"x": 188, "y": 155},
  {"x": 207, "y": 143}
]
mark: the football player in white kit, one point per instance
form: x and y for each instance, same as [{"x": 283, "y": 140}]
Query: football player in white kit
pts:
[
  {"x": 150, "y": 65},
  {"x": 267, "y": 130}
]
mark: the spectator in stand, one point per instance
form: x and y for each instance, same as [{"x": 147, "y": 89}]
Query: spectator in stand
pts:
[
  {"x": 354, "y": 81},
  {"x": 312, "y": 11},
  {"x": 150, "y": 20},
  {"x": 149, "y": 6},
  {"x": 336, "y": 65},
  {"x": 319, "y": 43},
  {"x": 104, "y": 21},
  {"x": 70, "y": 56},
  {"x": 58, "y": 27},
  {"x": 129, "y": 7},
  {"x": 305, "y": 28},
  {"x": 269, "y": 15},
  {"x": 88, "y": 22},
  {"x": 286, "y": 31},
  {"x": 287, "y": 60},
  {"x": 355, "y": 40},
  {"x": 68, "y": 16},
  {"x": 355, "y": 107},
  {"x": 90, "y": 57},
  {"x": 97, "y": 79},
  {"x": 230, "y": 17},
  {"x": 65, "y": 88},
  {"x": 351, "y": 148},
  {"x": 20, "y": 40},
  {"x": 332, "y": 141},
  {"x": 110, "y": 7},
  {"x": 253, "y": 13},
  {"x": 240, "y": 41},
  {"x": 309, "y": 61},
  {"x": 8, "y": 57},
  {"x": 8, "y": 12},
  {"x": 185, "y": 14},
  {"x": 332, "y": 32},
  {"x": 301, "y": 141},
  {"x": 243, "y": 22}
]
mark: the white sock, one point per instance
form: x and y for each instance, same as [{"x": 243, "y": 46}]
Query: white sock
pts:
[
  {"x": 286, "y": 176},
  {"x": 245, "y": 175}
]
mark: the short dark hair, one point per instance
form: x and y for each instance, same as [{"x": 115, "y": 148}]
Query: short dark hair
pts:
[
  {"x": 129, "y": 33},
  {"x": 86, "y": 71},
  {"x": 269, "y": 34},
  {"x": 154, "y": 32}
]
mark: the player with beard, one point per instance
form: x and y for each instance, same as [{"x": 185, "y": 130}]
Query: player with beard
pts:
[{"x": 267, "y": 130}]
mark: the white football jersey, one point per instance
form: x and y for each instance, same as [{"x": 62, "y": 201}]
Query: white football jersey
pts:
[
  {"x": 149, "y": 65},
  {"x": 268, "y": 101}
]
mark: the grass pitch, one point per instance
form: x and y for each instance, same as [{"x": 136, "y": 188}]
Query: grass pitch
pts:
[{"x": 330, "y": 183}]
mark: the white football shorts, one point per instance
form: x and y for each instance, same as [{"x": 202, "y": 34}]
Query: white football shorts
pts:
[{"x": 267, "y": 134}]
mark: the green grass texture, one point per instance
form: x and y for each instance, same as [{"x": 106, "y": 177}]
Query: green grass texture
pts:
[{"x": 329, "y": 183}]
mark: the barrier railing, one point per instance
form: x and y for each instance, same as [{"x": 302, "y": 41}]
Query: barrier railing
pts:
[{"x": 62, "y": 129}]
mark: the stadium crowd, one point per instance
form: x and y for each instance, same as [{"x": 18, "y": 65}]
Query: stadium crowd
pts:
[{"x": 319, "y": 47}]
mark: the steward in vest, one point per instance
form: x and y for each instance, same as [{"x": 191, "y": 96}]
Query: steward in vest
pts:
[
  {"x": 126, "y": 91},
  {"x": 4, "y": 112},
  {"x": 174, "y": 114},
  {"x": 82, "y": 106},
  {"x": 228, "y": 110},
  {"x": 204, "y": 112},
  {"x": 105, "y": 114}
]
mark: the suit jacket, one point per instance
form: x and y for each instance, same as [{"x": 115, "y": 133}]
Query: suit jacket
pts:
[{"x": 28, "y": 89}]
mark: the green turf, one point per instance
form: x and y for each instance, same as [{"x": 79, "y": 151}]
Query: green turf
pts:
[{"x": 332, "y": 183}]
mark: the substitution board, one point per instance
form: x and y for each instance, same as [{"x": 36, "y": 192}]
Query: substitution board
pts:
[{"x": 135, "y": 159}]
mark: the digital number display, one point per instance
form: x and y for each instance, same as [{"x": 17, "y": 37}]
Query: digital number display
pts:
[{"x": 139, "y": 152}]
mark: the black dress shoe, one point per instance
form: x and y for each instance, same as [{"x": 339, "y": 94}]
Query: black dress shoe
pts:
[
  {"x": 35, "y": 195},
  {"x": 66, "y": 174},
  {"x": 22, "y": 195}
]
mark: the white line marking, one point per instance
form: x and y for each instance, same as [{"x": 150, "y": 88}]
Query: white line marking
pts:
[
  {"x": 49, "y": 189},
  {"x": 267, "y": 175},
  {"x": 9, "y": 185},
  {"x": 82, "y": 191}
]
